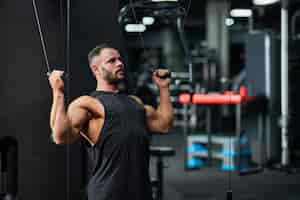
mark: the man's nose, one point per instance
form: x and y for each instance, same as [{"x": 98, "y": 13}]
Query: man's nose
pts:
[{"x": 120, "y": 63}]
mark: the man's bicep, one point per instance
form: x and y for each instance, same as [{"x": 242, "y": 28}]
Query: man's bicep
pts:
[
  {"x": 157, "y": 121},
  {"x": 151, "y": 118},
  {"x": 78, "y": 117}
]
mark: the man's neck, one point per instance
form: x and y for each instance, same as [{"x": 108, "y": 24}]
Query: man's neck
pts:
[{"x": 104, "y": 86}]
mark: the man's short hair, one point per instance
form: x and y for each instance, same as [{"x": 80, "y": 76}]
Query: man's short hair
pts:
[{"x": 97, "y": 50}]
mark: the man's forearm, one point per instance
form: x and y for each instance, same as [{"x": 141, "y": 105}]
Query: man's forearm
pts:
[
  {"x": 53, "y": 110},
  {"x": 165, "y": 108},
  {"x": 59, "y": 121}
]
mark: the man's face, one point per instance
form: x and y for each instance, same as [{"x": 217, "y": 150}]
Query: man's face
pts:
[{"x": 110, "y": 66}]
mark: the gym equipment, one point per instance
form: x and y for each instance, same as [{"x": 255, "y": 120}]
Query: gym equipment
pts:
[
  {"x": 43, "y": 43},
  {"x": 161, "y": 9},
  {"x": 226, "y": 98},
  {"x": 8, "y": 168},
  {"x": 160, "y": 152}
]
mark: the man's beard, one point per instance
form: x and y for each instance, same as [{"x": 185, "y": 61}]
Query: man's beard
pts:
[{"x": 111, "y": 78}]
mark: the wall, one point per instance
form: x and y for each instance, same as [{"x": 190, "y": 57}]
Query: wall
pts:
[{"x": 46, "y": 171}]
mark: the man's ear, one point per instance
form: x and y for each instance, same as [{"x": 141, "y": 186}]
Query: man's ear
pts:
[{"x": 95, "y": 69}]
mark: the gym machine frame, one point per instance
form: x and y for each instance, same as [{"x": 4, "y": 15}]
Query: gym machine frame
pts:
[{"x": 228, "y": 98}]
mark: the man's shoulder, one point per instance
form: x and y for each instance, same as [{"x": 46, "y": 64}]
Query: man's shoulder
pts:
[
  {"x": 91, "y": 104},
  {"x": 137, "y": 99},
  {"x": 84, "y": 100}
]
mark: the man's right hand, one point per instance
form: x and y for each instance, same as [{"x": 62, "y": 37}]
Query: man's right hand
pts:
[{"x": 56, "y": 81}]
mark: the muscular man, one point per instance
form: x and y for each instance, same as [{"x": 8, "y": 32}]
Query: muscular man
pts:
[{"x": 115, "y": 127}]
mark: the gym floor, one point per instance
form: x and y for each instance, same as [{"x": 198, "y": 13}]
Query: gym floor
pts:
[{"x": 212, "y": 183}]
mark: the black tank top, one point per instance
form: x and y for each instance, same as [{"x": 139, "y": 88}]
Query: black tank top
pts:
[{"x": 119, "y": 161}]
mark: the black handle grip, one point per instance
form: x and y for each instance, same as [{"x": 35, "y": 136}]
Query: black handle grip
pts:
[{"x": 165, "y": 76}]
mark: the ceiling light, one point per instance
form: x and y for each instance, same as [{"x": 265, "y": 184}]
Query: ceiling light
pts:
[
  {"x": 264, "y": 2},
  {"x": 148, "y": 20},
  {"x": 229, "y": 21},
  {"x": 241, "y": 13},
  {"x": 135, "y": 28}
]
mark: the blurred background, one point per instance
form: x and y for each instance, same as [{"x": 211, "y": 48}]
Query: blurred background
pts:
[{"x": 235, "y": 69}]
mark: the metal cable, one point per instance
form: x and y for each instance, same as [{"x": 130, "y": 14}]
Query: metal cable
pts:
[
  {"x": 67, "y": 69},
  {"x": 136, "y": 21},
  {"x": 36, "y": 15}
]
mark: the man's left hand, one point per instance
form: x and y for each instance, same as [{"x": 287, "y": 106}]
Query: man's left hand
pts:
[{"x": 159, "y": 80}]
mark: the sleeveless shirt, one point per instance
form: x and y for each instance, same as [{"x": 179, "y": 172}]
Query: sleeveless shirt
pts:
[{"x": 119, "y": 161}]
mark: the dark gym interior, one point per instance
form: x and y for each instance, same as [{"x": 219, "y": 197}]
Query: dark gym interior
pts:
[{"x": 247, "y": 49}]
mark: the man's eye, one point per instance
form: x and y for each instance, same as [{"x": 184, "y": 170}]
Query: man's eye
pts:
[{"x": 112, "y": 61}]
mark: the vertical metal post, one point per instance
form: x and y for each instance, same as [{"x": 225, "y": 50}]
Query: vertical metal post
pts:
[
  {"x": 284, "y": 84},
  {"x": 185, "y": 120},
  {"x": 208, "y": 131},
  {"x": 238, "y": 129},
  {"x": 185, "y": 131},
  {"x": 218, "y": 35},
  {"x": 260, "y": 139},
  {"x": 183, "y": 40},
  {"x": 160, "y": 175}
]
